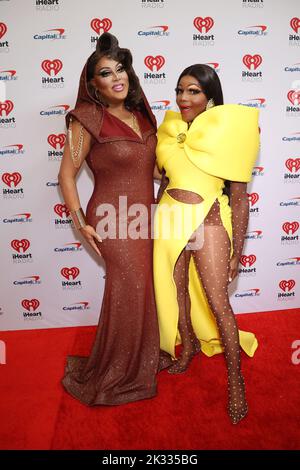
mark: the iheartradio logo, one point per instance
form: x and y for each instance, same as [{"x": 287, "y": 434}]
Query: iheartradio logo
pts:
[
  {"x": 101, "y": 26},
  {"x": 30, "y": 305},
  {"x": 61, "y": 210},
  {"x": 203, "y": 24},
  {"x": 295, "y": 24},
  {"x": 11, "y": 179},
  {"x": 57, "y": 141},
  {"x": 290, "y": 227},
  {"x": 70, "y": 273},
  {"x": 6, "y": 107},
  {"x": 253, "y": 198},
  {"x": 154, "y": 63},
  {"x": 287, "y": 286},
  {"x": 20, "y": 245},
  {"x": 294, "y": 97},
  {"x": 3, "y": 29},
  {"x": 293, "y": 164},
  {"x": 52, "y": 67},
  {"x": 247, "y": 261},
  {"x": 252, "y": 62}
]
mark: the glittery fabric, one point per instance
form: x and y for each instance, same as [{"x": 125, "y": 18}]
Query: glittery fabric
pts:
[
  {"x": 212, "y": 263},
  {"x": 123, "y": 362}
]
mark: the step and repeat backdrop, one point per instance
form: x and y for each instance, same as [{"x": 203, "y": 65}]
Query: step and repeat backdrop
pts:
[{"x": 49, "y": 278}]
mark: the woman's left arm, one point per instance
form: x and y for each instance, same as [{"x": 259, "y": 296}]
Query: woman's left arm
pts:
[{"x": 239, "y": 203}]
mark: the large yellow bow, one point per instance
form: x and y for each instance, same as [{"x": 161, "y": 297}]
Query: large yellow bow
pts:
[{"x": 223, "y": 141}]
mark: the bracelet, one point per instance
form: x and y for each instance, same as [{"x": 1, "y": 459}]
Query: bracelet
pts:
[{"x": 78, "y": 218}]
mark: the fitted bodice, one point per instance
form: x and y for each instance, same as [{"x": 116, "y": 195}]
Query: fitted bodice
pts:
[{"x": 121, "y": 161}]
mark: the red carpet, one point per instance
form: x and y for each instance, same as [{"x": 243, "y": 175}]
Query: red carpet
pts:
[{"x": 188, "y": 413}]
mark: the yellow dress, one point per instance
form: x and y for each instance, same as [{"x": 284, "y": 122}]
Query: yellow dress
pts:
[{"x": 221, "y": 144}]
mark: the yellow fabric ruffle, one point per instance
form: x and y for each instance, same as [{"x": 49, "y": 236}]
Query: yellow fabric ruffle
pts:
[{"x": 222, "y": 141}]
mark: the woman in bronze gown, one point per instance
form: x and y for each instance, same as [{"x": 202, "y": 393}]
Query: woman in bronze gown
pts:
[{"x": 113, "y": 128}]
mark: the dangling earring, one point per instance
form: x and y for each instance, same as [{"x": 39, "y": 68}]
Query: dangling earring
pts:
[
  {"x": 97, "y": 94},
  {"x": 210, "y": 104}
]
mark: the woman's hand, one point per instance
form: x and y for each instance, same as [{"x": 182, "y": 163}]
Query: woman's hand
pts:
[
  {"x": 233, "y": 268},
  {"x": 90, "y": 235}
]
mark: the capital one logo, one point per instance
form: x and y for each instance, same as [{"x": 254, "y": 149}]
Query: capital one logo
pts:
[
  {"x": 101, "y": 26},
  {"x": 290, "y": 227},
  {"x": 213, "y": 65},
  {"x": 6, "y": 107},
  {"x": 287, "y": 286},
  {"x": 154, "y": 63},
  {"x": 30, "y": 305},
  {"x": 203, "y": 24},
  {"x": 294, "y": 97},
  {"x": 3, "y": 29},
  {"x": 52, "y": 67},
  {"x": 61, "y": 210},
  {"x": 253, "y": 198},
  {"x": 295, "y": 24},
  {"x": 252, "y": 62},
  {"x": 20, "y": 245},
  {"x": 70, "y": 273},
  {"x": 247, "y": 261},
  {"x": 293, "y": 164},
  {"x": 11, "y": 179},
  {"x": 57, "y": 141}
]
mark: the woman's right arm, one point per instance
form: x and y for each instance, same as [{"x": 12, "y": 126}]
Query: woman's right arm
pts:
[
  {"x": 68, "y": 171},
  {"x": 163, "y": 185}
]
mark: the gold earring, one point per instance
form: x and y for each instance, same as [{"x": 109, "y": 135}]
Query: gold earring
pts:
[{"x": 210, "y": 104}]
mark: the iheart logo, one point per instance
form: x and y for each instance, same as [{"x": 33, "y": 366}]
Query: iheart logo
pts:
[
  {"x": 247, "y": 260},
  {"x": 61, "y": 210},
  {"x": 154, "y": 63},
  {"x": 20, "y": 245},
  {"x": 11, "y": 179},
  {"x": 294, "y": 97},
  {"x": 293, "y": 164},
  {"x": 287, "y": 285},
  {"x": 295, "y": 24},
  {"x": 70, "y": 273},
  {"x": 203, "y": 24},
  {"x": 253, "y": 198},
  {"x": 290, "y": 227},
  {"x": 57, "y": 140},
  {"x": 6, "y": 107},
  {"x": 101, "y": 26},
  {"x": 30, "y": 304},
  {"x": 3, "y": 29},
  {"x": 52, "y": 67},
  {"x": 252, "y": 61}
]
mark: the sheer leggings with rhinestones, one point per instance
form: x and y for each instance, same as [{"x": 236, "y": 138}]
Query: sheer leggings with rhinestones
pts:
[{"x": 212, "y": 264}]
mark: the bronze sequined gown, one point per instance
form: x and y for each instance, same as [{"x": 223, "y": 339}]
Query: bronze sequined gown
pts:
[{"x": 123, "y": 362}]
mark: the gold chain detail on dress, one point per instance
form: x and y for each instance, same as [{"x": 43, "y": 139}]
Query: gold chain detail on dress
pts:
[
  {"x": 135, "y": 125},
  {"x": 75, "y": 153}
]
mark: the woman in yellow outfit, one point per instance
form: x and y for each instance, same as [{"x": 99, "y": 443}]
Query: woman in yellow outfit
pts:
[{"x": 198, "y": 236}]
